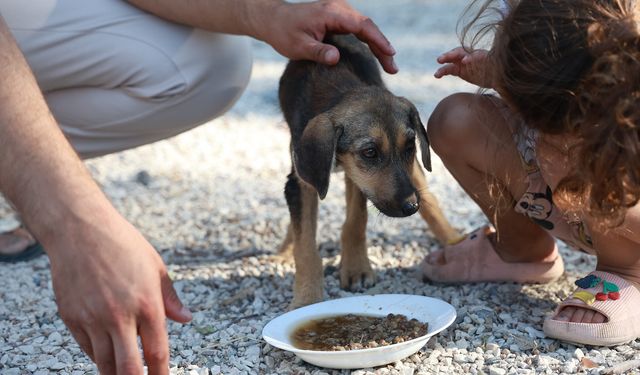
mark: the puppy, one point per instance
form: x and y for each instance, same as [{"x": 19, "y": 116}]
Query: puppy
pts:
[{"x": 343, "y": 116}]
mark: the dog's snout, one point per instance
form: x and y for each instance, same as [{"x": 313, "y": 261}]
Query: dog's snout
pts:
[{"x": 409, "y": 207}]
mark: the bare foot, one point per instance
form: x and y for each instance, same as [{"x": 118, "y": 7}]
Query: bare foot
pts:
[
  {"x": 579, "y": 315},
  {"x": 15, "y": 241},
  {"x": 583, "y": 315}
]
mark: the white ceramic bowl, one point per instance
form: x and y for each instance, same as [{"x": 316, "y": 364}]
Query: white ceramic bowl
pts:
[{"x": 437, "y": 313}]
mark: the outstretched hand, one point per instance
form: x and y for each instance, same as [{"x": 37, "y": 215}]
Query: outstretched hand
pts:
[
  {"x": 111, "y": 286},
  {"x": 297, "y": 30},
  {"x": 471, "y": 66}
]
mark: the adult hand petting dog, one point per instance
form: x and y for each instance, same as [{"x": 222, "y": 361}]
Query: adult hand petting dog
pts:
[
  {"x": 111, "y": 286},
  {"x": 304, "y": 26},
  {"x": 294, "y": 30}
]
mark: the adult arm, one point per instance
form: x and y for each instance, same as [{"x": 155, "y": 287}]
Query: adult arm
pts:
[
  {"x": 294, "y": 30},
  {"x": 110, "y": 284}
]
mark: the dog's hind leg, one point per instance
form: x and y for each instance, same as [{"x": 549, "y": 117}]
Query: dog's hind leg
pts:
[
  {"x": 303, "y": 207},
  {"x": 430, "y": 209},
  {"x": 355, "y": 268},
  {"x": 286, "y": 248}
]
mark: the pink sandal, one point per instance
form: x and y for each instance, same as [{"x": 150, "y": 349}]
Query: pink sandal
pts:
[
  {"x": 475, "y": 260},
  {"x": 611, "y": 296}
]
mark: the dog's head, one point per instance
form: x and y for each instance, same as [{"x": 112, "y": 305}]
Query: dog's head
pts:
[{"x": 372, "y": 135}]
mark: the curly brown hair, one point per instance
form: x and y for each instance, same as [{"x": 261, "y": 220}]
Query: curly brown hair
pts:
[{"x": 573, "y": 67}]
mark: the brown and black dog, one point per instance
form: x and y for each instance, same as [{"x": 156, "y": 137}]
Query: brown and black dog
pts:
[{"x": 343, "y": 116}]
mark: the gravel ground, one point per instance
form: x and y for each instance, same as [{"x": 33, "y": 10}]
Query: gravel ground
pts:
[{"x": 211, "y": 202}]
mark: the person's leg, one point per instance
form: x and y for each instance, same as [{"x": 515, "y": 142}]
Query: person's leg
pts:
[
  {"x": 473, "y": 139},
  {"x": 116, "y": 77}
]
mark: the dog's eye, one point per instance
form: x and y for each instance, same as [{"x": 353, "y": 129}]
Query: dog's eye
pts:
[
  {"x": 411, "y": 146},
  {"x": 369, "y": 153}
]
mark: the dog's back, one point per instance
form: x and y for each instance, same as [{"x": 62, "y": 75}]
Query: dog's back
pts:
[{"x": 308, "y": 88}]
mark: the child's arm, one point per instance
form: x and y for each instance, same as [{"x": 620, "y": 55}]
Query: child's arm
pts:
[{"x": 473, "y": 66}]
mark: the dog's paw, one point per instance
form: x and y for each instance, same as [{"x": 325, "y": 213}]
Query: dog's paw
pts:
[
  {"x": 303, "y": 301},
  {"x": 306, "y": 293},
  {"x": 357, "y": 277}
]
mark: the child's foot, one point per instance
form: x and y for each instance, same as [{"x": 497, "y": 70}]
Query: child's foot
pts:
[
  {"x": 604, "y": 310},
  {"x": 474, "y": 259},
  {"x": 584, "y": 315}
]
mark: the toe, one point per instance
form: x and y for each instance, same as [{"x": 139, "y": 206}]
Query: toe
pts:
[
  {"x": 565, "y": 314},
  {"x": 577, "y": 315},
  {"x": 436, "y": 258},
  {"x": 599, "y": 318},
  {"x": 588, "y": 316}
]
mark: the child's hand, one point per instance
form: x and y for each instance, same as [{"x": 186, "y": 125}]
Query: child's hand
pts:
[{"x": 470, "y": 66}]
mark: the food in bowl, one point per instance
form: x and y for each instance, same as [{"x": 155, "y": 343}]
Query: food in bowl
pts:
[{"x": 354, "y": 331}]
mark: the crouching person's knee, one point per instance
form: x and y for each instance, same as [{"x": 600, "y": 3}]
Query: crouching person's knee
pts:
[
  {"x": 450, "y": 123},
  {"x": 176, "y": 93}
]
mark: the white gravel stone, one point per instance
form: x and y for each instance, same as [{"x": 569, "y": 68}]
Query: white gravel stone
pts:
[
  {"x": 55, "y": 338},
  {"x": 26, "y": 349},
  {"x": 58, "y": 366},
  {"x": 497, "y": 371},
  {"x": 578, "y": 353}
]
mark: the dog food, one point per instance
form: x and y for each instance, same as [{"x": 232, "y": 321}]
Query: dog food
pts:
[{"x": 350, "y": 332}]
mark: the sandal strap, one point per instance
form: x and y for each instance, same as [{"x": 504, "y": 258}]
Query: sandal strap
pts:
[{"x": 603, "y": 292}]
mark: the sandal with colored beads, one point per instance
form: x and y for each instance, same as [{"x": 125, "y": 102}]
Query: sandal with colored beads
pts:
[{"x": 609, "y": 295}]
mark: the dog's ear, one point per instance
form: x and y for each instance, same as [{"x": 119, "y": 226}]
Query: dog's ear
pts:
[
  {"x": 314, "y": 153},
  {"x": 422, "y": 136}
]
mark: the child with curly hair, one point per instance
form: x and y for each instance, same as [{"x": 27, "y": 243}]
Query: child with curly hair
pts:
[{"x": 556, "y": 154}]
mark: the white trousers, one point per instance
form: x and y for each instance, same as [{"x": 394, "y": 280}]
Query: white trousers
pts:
[{"x": 116, "y": 77}]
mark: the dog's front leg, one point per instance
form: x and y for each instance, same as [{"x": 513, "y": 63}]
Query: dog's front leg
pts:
[
  {"x": 303, "y": 207},
  {"x": 355, "y": 268},
  {"x": 430, "y": 209}
]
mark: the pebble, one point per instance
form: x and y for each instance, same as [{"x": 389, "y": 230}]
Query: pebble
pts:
[
  {"x": 55, "y": 338},
  {"x": 57, "y": 366},
  {"x": 26, "y": 349},
  {"x": 462, "y": 344},
  {"x": 578, "y": 353},
  {"x": 497, "y": 371}
]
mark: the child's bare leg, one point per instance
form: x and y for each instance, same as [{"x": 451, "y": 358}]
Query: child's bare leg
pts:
[
  {"x": 472, "y": 138},
  {"x": 474, "y": 142}
]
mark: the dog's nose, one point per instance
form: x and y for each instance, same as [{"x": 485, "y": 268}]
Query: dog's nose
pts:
[{"x": 409, "y": 208}]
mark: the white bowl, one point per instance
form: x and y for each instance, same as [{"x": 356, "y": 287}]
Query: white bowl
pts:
[{"x": 437, "y": 313}]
